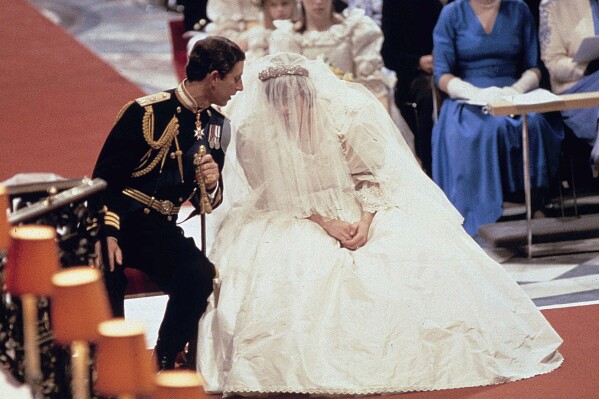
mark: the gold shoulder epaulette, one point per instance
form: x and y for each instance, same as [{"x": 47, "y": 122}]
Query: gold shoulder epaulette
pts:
[
  {"x": 122, "y": 111},
  {"x": 153, "y": 98}
]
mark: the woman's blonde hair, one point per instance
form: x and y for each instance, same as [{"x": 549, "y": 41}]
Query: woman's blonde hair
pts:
[{"x": 268, "y": 21}]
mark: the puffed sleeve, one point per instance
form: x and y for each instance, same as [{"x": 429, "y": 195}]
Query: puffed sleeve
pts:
[
  {"x": 367, "y": 41},
  {"x": 554, "y": 51}
]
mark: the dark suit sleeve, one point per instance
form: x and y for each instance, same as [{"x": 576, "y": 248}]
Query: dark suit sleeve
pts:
[{"x": 125, "y": 146}]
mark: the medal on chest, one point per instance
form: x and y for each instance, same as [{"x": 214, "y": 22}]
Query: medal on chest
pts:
[
  {"x": 214, "y": 133},
  {"x": 199, "y": 128}
]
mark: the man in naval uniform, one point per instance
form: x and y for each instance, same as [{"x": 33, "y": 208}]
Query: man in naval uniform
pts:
[{"x": 148, "y": 164}]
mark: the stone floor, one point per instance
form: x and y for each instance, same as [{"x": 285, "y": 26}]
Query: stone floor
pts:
[{"x": 133, "y": 37}]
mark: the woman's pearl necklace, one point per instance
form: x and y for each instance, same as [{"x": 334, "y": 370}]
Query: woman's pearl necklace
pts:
[{"x": 486, "y": 5}]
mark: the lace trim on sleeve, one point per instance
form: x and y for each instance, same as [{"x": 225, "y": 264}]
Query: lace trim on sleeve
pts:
[{"x": 372, "y": 197}]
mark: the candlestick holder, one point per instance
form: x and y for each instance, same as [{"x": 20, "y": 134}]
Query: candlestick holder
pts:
[
  {"x": 79, "y": 305},
  {"x": 31, "y": 261}
]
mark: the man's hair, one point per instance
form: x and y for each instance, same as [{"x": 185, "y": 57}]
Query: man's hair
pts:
[{"x": 214, "y": 53}]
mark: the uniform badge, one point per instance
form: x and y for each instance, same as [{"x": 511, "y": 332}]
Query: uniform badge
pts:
[
  {"x": 199, "y": 129},
  {"x": 214, "y": 133},
  {"x": 198, "y": 133}
]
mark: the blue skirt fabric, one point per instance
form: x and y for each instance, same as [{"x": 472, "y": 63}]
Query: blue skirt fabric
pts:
[
  {"x": 583, "y": 121},
  {"x": 477, "y": 157}
]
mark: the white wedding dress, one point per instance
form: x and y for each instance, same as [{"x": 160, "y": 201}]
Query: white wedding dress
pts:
[{"x": 419, "y": 307}]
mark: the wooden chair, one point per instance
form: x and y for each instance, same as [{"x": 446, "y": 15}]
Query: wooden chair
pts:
[{"x": 576, "y": 180}]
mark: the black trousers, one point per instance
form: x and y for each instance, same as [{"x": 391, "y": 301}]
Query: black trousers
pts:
[
  {"x": 420, "y": 117},
  {"x": 174, "y": 263}
]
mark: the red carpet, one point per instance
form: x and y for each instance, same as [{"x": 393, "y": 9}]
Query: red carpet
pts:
[{"x": 57, "y": 101}]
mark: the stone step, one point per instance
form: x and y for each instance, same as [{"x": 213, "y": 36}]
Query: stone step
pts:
[{"x": 544, "y": 230}]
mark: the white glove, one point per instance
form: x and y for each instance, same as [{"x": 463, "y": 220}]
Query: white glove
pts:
[
  {"x": 509, "y": 91},
  {"x": 489, "y": 95},
  {"x": 527, "y": 82},
  {"x": 457, "y": 88}
]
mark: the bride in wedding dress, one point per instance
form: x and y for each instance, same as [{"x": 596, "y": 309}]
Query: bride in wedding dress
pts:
[{"x": 344, "y": 268}]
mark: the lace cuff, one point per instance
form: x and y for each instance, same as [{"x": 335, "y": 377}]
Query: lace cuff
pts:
[{"x": 372, "y": 197}]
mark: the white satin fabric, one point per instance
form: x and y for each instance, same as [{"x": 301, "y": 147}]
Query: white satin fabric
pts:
[{"x": 419, "y": 307}]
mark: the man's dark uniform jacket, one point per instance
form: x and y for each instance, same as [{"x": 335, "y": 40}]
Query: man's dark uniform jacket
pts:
[{"x": 147, "y": 162}]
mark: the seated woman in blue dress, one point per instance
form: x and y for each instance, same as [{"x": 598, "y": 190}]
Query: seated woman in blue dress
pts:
[
  {"x": 483, "y": 50},
  {"x": 564, "y": 24}
]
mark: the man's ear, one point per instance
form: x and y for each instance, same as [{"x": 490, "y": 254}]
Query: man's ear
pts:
[{"x": 214, "y": 76}]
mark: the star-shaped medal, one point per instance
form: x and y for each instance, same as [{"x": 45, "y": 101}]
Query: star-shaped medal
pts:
[{"x": 199, "y": 131}]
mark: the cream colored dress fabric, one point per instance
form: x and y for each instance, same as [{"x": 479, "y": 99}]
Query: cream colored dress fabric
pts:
[
  {"x": 353, "y": 46},
  {"x": 561, "y": 31},
  {"x": 419, "y": 307},
  {"x": 233, "y": 19},
  {"x": 258, "y": 39}
]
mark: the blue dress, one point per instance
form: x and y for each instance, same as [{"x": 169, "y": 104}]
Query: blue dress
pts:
[{"x": 478, "y": 157}]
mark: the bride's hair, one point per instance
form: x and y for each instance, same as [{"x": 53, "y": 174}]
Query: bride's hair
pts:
[
  {"x": 285, "y": 88},
  {"x": 285, "y": 80}
]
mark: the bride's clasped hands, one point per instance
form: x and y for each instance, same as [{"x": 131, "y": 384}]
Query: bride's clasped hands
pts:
[{"x": 350, "y": 235}]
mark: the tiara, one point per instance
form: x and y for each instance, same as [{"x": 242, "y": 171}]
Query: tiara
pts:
[{"x": 280, "y": 70}]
